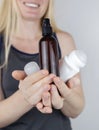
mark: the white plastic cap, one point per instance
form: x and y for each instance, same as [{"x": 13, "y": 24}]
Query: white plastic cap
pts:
[
  {"x": 31, "y": 67},
  {"x": 76, "y": 59},
  {"x": 71, "y": 64}
]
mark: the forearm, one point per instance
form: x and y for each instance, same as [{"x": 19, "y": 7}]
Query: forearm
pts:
[
  {"x": 12, "y": 108},
  {"x": 73, "y": 106}
]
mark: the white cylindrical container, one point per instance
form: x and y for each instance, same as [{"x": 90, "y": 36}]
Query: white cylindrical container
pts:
[{"x": 70, "y": 65}]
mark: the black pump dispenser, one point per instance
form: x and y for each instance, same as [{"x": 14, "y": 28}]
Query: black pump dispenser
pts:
[
  {"x": 48, "y": 49},
  {"x": 46, "y": 27}
]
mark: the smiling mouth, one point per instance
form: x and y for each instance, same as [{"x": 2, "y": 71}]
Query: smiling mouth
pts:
[{"x": 32, "y": 5}]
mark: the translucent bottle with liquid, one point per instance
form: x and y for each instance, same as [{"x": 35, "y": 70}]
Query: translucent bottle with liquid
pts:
[{"x": 48, "y": 49}]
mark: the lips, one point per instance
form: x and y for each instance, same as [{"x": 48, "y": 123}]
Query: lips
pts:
[{"x": 31, "y": 4}]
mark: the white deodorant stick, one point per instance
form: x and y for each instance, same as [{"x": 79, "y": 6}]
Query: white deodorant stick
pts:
[
  {"x": 71, "y": 64},
  {"x": 31, "y": 67}
]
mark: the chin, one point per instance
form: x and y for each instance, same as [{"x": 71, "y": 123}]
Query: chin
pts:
[{"x": 31, "y": 18}]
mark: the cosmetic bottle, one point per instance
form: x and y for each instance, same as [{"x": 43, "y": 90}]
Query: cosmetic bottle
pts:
[
  {"x": 48, "y": 49},
  {"x": 69, "y": 65},
  {"x": 31, "y": 67}
]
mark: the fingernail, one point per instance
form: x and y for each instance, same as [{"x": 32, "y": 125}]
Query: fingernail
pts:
[
  {"x": 46, "y": 97},
  {"x": 53, "y": 88},
  {"x": 57, "y": 80},
  {"x": 49, "y": 111},
  {"x": 76, "y": 82},
  {"x": 46, "y": 87},
  {"x": 45, "y": 72},
  {"x": 52, "y": 75}
]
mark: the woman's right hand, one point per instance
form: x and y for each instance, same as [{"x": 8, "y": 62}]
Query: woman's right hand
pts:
[{"x": 35, "y": 85}]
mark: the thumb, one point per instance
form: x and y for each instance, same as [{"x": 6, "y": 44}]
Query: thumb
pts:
[{"x": 18, "y": 74}]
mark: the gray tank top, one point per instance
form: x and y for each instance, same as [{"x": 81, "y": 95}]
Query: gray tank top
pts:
[{"x": 32, "y": 120}]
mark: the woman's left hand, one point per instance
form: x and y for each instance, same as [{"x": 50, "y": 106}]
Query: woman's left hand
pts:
[
  {"x": 60, "y": 91},
  {"x": 68, "y": 96}
]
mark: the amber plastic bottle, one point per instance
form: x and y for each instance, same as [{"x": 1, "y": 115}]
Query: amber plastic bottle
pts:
[{"x": 48, "y": 49}]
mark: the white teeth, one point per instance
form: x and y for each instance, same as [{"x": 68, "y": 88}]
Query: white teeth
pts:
[{"x": 32, "y": 5}]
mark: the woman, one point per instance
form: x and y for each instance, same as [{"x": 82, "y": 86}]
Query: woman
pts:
[{"x": 23, "y": 104}]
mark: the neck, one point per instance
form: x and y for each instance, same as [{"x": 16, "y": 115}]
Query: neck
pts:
[{"x": 28, "y": 29}]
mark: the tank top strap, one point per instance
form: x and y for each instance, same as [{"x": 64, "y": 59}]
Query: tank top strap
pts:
[
  {"x": 1, "y": 40},
  {"x": 1, "y": 50}
]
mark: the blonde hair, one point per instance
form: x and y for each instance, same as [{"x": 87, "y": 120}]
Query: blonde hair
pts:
[{"x": 9, "y": 13}]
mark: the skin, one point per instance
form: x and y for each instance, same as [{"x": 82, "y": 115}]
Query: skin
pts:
[
  {"x": 38, "y": 91},
  {"x": 30, "y": 13},
  {"x": 28, "y": 95}
]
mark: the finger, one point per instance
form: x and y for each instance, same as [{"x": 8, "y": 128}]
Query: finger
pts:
[
  {"x": 36, "y": 77},
  {"x": 61, "y": 86},
  {"x": 27, "y": 88},
  {"x": 46, "y": 99},
  {"x": 46, "y": 110},
  {"x": 57, "y": 100},
  {"x": 35, "y": 89},
  {"x": 35, "y": 96},
  {"x": 39, "y": 105},
  {"x": 43, "y": 109},
  {"x": 74, "y": 82},
  {"x": 18, "y": 74},
  {"x": 45, "y": 81}
]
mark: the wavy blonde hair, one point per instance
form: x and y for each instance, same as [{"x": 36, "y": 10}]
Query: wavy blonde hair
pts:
[{"x": 9, "y": 13}]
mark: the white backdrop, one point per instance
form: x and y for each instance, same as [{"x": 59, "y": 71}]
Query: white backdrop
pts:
[{"x": 81, "y": 19}]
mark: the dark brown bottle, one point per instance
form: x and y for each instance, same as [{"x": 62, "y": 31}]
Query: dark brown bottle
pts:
[{"x": 48, "y": 49}]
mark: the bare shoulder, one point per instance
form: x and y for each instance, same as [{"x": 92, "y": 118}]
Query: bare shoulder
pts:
[{"x": 66, "y": 42}]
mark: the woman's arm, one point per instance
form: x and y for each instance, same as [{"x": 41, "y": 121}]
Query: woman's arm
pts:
[
  {"x": 29, "y": 94},
  {"x": 72, "y": 92},
  {"x": 13, "y": 108},
  {"x": 72, "y": 95}
]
